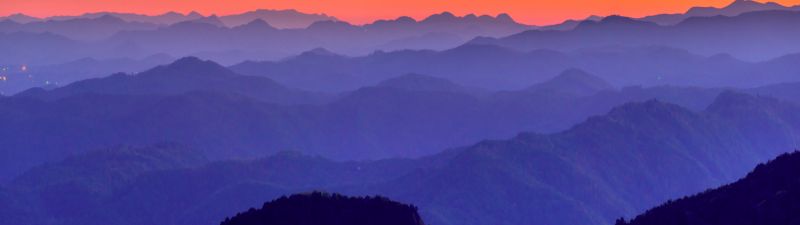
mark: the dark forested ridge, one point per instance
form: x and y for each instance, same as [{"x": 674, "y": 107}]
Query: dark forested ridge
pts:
[
  {"x": 770, "y": 194},
  {"x": 328, "y": 209}
]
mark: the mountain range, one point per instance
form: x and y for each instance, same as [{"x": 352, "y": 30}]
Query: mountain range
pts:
[
  {"x": 125, "y": 119},
  {"x": 192, "y": 101},
  {"x": 99, "y": 27},
  {"x": 254, "y": 35},
  {"x": 632, "y": 158},
  {"x": 501, "y": 68},
  {"x": 183, "y": 75},
  {"x": 736, "y": 8},
  {"x": 279, "y": 18},
  {"x": 735, "y": 35}
]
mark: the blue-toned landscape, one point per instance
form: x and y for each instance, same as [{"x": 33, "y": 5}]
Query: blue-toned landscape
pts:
[{"x": 283, "y": 117}]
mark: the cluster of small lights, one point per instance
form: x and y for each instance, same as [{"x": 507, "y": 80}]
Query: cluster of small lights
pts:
[
  {"x": 3, "y": 77},
  {"x": 24, "y": 68}
]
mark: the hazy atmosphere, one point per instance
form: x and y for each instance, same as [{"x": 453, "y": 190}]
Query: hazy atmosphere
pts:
[{"x": 399, "y": 112}]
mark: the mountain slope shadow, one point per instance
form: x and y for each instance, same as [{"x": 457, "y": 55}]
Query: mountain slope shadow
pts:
[{"x": 768, "y": 195}]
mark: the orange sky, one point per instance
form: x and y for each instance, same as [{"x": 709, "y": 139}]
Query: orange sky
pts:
[{"x": 538, "y": 12}]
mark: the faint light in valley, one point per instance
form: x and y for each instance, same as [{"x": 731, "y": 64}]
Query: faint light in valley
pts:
[{"x": 24, "y": 68}]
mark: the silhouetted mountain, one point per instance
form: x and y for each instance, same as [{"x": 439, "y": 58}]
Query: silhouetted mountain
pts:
[
  {"x": 328, "y": 209},
  {"x": 211, "y": 20},
  {"x": 636, "y": 156},
  {"x": 229, "y": 45},
  {"x": 736, "y": 8},
  {"x": 767, "y": 195},
  {"x": 573, "y": 82},
  {"x": 184, "y": 75},
  {"x": 737, "y": 35},
  {"x": 163, "y": 19},
  {"x": 282, "y": 19},
  {"x": 79, "y": 28},
  {"x": 20, "y": 18},
  {"x": 570, "y": 24}
]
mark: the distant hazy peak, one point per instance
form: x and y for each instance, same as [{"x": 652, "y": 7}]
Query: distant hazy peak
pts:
[
  {"x": 329, "y": 24},
  {"x": 446, "y": 17},
  {"x": 733, "y": 9},
  {"x": 505, "y": 17},
  {"x": 441, "y": 17},
  {"x": 190, "y": 66},
  {"x": 614, "y": 21},
  {"x": 258, "y": 24},
  {"x": 213, "y": 20},
  {"x": 194, "y": 13},
  {"x": 316, "y": 53},
  {"x": 574, "y": 82},
  {"x": 20, "y": 18}
]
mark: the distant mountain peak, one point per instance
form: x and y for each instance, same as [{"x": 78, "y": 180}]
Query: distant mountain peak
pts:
[
  {"x": 188, "y": 60},
  {"x": 613, "y": 20},
  {"x": 190, "y": 66},
  {"x": 618, "y": 19},
  {"x": 748, "y": 3},
  {"x": 441, "y": 17},
  {"x": 258, "y": 24},
  {"x": 211, "y": 20},
  {"x": 505, "y": 17},
  {"x": 735, "y": 8},
  {"x": 20, "y": 18},
  {"x": 319, "y": 51},
  {"x": 574, "y": 82},
  {"x": 109, "y": 19},
  {"x": 405, "y": 19},
  {"x": 329, "y": 24}
]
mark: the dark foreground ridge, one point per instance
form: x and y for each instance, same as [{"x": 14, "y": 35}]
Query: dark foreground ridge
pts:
[
  {"x": 768, "y": 195},
  {"x": 329, "y": 209}
]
